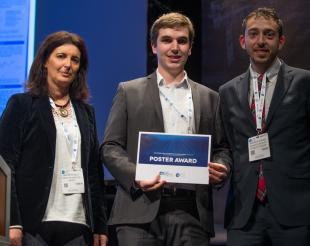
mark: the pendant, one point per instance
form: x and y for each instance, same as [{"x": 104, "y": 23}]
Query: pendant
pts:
[{"x": 63, "y": 112}]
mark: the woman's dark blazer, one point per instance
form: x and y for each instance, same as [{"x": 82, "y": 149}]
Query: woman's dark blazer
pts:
[{"x": 27, "y": 143}]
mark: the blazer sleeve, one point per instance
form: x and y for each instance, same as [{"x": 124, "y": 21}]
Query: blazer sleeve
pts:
[
  {"x": 221, "y": 149},
  {"x": 113, "y": 149},
  {"x": 96, "y": 181},
  {"x": 12, "y": 125}
]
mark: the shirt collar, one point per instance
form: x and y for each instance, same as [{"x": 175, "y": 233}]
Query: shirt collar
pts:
[
  {"x": 271, "y": 72},
  {"x": 183, "y": 82}
]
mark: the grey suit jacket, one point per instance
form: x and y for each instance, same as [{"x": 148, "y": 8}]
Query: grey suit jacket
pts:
[
  {"x": 287, "y": 171},
  {"x": 136, "y": 107}
]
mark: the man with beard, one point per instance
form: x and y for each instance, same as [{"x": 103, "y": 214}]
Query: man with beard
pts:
[{"x": 266, "y": 113}]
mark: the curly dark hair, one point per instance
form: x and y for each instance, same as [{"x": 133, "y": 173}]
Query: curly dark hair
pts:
[
  {"x": 267, "y": 13},
  {"x": 37, "y": 80}
]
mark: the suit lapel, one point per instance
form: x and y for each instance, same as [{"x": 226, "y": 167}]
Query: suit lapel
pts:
[
  {"x": 196, "y": 100},
  {"x": 283, "y": 83},
  {"x": 242, "y": 91},
  {"x": 47, "y": 119},
  {"x": 83, "y": 122},
  {"x": 152, "y": 90}
]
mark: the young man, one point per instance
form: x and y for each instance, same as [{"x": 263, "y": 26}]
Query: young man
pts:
[
  {"x": 151, "y": 212},
  {"x": 266, "y": 113}
]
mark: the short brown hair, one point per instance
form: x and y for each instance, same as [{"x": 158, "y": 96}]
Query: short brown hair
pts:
[
  {"x": 37, "y": 81},
  {"x": 267, "y": 13},
  {"x": 172, "y": 20}
]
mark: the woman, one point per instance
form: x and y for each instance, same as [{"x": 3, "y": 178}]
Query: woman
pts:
[{"x": 48, "y": 137}]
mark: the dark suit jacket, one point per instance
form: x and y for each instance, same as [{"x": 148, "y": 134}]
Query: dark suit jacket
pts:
[
  {"x": 136, "y": 107},
  {"x": 287, "y": 171},
  {"x": 27, "y": 143}
]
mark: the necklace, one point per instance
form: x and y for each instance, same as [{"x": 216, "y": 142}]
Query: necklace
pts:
[{"x": 62, "y": 109}]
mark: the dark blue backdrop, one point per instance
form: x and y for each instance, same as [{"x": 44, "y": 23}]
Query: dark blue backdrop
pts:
[{"x": 115, "y": 34}]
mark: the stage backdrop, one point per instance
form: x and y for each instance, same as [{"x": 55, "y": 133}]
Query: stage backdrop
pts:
[{"x": 223, "y": 57}]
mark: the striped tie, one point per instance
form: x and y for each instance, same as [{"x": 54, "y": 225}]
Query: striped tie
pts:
[{"x": 261, "y": 187}]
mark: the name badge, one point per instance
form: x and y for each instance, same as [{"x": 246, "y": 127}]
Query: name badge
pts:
[
  {"x": 259, "y": 147},
  {"x": 72, "y": 181}
]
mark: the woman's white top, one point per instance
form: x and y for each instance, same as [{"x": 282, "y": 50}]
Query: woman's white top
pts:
[{"x": 65, "y": 207}]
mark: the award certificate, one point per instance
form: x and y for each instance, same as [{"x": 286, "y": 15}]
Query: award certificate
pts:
[{"x": 177, "y": 158}]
